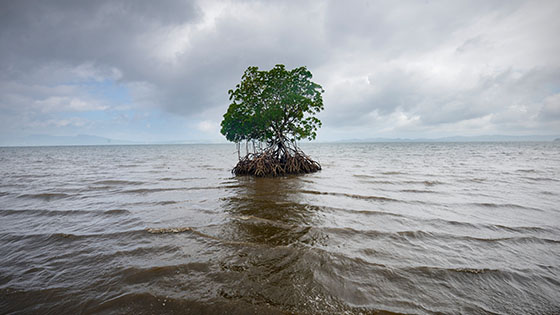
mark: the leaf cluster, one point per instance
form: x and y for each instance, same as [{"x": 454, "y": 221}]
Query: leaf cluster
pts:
[{"x": 274, "y": 106}]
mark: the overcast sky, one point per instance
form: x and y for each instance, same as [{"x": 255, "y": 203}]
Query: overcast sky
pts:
[{"x": 160, "y": 70}]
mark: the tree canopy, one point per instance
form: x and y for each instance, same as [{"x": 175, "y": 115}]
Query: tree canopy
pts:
[{"x": 275, "y": 106}]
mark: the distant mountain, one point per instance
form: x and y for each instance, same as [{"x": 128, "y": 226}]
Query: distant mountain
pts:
[
  {"x": 486, "y": 138},
  {"x": 206, "y": 141},
  {"x": 48, "y": 140}
]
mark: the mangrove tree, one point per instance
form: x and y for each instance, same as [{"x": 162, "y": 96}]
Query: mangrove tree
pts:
[{"x": 271, "y": 111}]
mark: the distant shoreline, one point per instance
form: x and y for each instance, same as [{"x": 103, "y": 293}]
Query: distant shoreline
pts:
[
  {"x": 90, "y": 140},
  {"x": 409, "y": 141}
]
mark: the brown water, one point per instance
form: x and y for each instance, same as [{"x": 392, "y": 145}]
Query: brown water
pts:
[{"x": 403, "y": 228}]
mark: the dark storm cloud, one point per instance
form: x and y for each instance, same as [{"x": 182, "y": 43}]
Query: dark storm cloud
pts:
[
  {"x": 63, "y": 41},
  {"x": 77, "y": 31},
  {"x": 131, "y": 38},
  {"x": 219, "y": 54}
]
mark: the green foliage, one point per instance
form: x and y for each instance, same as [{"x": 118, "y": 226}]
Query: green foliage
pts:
[{"x": 274, "y": 106}]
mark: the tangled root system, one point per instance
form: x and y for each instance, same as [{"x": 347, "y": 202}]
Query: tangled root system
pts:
[{"x": 269, "y": 164}]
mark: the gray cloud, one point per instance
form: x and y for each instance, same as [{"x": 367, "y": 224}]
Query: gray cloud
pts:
[
  {"x": 388, "y": 68},
  {"x": 106, "y": 32}
]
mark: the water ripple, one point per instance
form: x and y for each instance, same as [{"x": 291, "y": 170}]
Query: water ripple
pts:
[{"x": 383, "y": 228}]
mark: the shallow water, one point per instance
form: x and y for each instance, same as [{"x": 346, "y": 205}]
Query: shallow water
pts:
[{"x": 402, "y": 228}]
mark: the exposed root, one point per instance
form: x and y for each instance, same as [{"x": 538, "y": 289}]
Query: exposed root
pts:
[{"x": 269, "y": 164}]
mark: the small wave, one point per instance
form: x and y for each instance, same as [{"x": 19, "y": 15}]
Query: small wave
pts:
[
  {"x": 393, "y": 173},
  {"x": 417, "y": 234},
  {"x": 117, "y": 211},
  {"x": 477, "y": 180},
  {"x": 111, "y": 235},
  {"x": 423, "y": 270},
  {"x": 370, "y": 180},
  {"x": 378, "y": 198},
  {"x": 140, "y": 275},
  {"x": 503, "y": 205},
  {"x": 177, "y": 230},
  {"x": 421, "y": 235},
  {"x": 257, "y": 220},
  {"x": 53, "y": 237},
  {"x": 428, "y": 183},
  {"x": 41, "y": 212},
  {"x": 155, "y": 190},
  {"x": 494, "y": 227},
  {"x": 527, "y": 171},
  {"x": 380, "y": 182},
  {"x": 149, "y": 190},
  {"x": 45, "y": 196},
  {"x": 30, "y": 176},
  {"x": 127, "y": 165},
  {"x": 166, "y": 202},
  {"x": 432, "y": 182},
  {"x": 541, "y": 179},
  {"x": 515, "y": 239},
  {"x": 215, "y": 169},
  {"x": 474, "y": 270},
  {"x": 167, "y": 179},
  {"x": 432, "y": 269},
  {"x": 366, "y": 212},
  {"x": 141, "y": 251},
  {"x": 116, "y": 182},
  {"x": 418, "y": 191},
  {"x": 364, "y": 176},
  {"x": 99, "y": 188},
  {"x": 519, "y": 229},
  {"x": 169, "y": 230},
  {"x": 353, "y": 232}
]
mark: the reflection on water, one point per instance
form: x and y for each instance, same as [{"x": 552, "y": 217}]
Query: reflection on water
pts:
[
  {"x": 266, "y": 211},
  {"x": 275, "y": 264},
  {"x": 383, "y": 228}
]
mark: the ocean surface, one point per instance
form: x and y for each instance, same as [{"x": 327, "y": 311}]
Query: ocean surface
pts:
[{"x": 384, "y": 228}]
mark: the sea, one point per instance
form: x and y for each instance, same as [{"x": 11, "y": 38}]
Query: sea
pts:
[{"x": 383, "y": 228}]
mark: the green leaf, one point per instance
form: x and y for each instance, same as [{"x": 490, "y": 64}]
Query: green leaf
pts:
[{"x": 274, "y": 105}]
